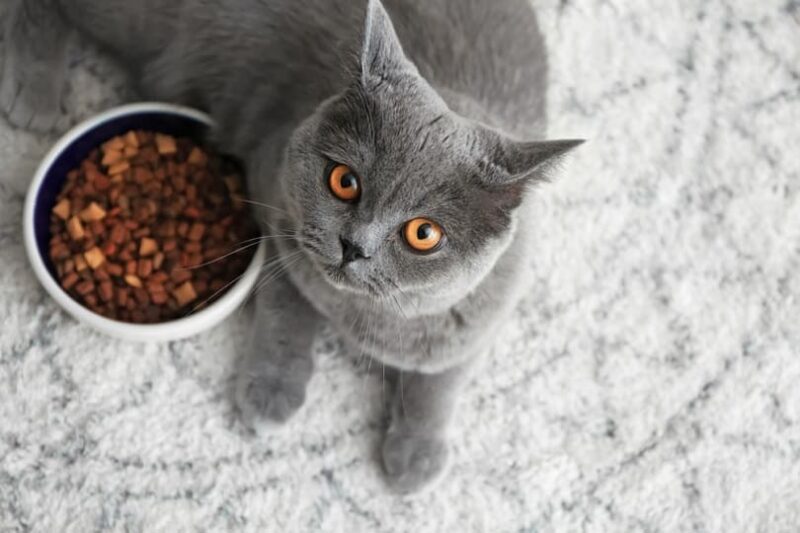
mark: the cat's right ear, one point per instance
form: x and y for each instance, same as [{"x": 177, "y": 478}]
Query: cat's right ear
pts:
[{"x": 382, "y": 55}]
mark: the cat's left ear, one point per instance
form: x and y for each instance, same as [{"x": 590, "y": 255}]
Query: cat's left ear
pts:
[
  {"x": 510, "y": 166},
  {"x": 382, "y": 54},
  {"x": 513, "y": 161}
]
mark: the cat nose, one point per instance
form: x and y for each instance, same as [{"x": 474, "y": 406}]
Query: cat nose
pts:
[{"x": 351, "y": 251}]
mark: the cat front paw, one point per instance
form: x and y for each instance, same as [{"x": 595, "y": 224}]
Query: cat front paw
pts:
[
  {"x": 414, "y": 462},
  {"x": 267, "y": 402}
]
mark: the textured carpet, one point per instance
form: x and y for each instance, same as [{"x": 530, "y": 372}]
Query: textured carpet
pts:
[{"x": 649, "y": 382}]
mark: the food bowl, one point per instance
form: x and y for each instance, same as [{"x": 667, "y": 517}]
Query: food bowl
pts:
[{"x": 67, "y": 154}]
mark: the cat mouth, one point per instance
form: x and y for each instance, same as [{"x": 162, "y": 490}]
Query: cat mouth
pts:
[{"x": 337, "y": 274}]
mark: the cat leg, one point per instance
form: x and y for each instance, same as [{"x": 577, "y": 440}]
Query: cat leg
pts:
[
  {"x": 272, "y": 378},
  {"x": 34, "y": 66},
  {"x": 416, "y": 449}
]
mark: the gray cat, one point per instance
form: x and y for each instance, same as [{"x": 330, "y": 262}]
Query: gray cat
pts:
[{"x": 386, "y": 144}]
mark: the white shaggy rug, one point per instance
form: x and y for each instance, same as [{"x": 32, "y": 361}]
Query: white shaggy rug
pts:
[{"x": 650, "y": 382}]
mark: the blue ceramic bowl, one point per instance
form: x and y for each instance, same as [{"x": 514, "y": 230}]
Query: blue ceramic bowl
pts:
[{"x": 67, "y": 154}]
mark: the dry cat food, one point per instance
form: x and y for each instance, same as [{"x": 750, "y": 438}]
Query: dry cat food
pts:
[{"x": 142, "y": 230}]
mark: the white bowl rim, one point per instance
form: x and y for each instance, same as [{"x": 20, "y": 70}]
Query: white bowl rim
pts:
[{"x": 163, "y": 331}]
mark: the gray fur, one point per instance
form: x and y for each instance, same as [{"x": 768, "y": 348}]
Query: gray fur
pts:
[{"x": 424, "y": 99}]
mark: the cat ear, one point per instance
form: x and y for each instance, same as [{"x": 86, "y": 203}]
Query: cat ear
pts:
[
  {"x": 381, "y": 51},
  {"x": 518, "y": 161},
  {"x": 512, "y": 165}
]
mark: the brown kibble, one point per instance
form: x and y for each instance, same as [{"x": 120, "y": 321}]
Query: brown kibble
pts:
[
  {"x": 93, "y": 213},
  {"x": 75, "y": 229},
  {"x": 115, "y": 269},
  {"x": 91, "y": 301},
  {"x": 193, "y": 247},
  {"x": 147, "y": 247},
  {"x": 119, "y": 168},
  {"x": 131, "y": 140},
  {"x": 133, "y": 220},
  {"x": 197, "y": 157},
  {"x": 165, "y": 144},
  {"x": 118, "y": 234},
  {"x": 122, "y": 297},
  {"x": 94, "y": 258},
  {"x": 185, "y": 294},
  {"x": 142, "y": 175},
  {"x": 179, "y": 275},
  {"x": 145, "y": 268},
  {"x": 102, "y": 183},
  {"x": 101, "y": 274},
  {"x": 197, "y": 231},
  {"x": 159, "y": 277},
  {"x": 133, "y": 281},
  {"x": 141, "y": 296},
  {"x": 85, "y": 287},
  {"x": 106, "y": 291},
  {"x": 111, "y": 157},
  {"x": 115, "y": 144},
  {"x": 191, "y": 212},
  {"x": 159, "y": 298},
  {"x": 69, "y": 280},
  {"x": 110, "y": 249},
  {"x": 80, "y": 263},
  {"x": 62, "y": 209}
]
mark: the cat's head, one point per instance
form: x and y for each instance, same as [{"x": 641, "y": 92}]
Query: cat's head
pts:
[{"x": 391, "y": 191}]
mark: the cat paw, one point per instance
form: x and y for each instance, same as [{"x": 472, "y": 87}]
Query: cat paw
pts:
[
  {"x": 267, "y": 402},
  {"x": 414, "y": 462},
  {"x": 31, "y": 101}
]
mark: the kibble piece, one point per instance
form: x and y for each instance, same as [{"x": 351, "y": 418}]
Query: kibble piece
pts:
[
  {"x": 70, "y": 280},
  {"x": 145, "y": 268},
  {"x": 130, "y": 151},
  {"x": 94, "y": 258},
  {"x": 185, "y": 294},
  {"x": 85, "y": 287},
  {"x": 165, "y": 144},
  {"x": 111, "y": 157},
  {"x": 122, "y": 297},
  {"x": 118, "y": 234},
  {"x": 133, "y": 281},
  {"x": 131, "y": 139},
  {"x": 119, "y": 168},
  {"x": 93, "y": 213},
  {"x": 59, "y": 251},
  {"x": 75, "y": 229},
  {"x": 80, "y": 263},
  {"x": 147, "y": 247},
  {"x": 115, "y": 269},
  {"x": 106, "y": 291},
  {"x": 62, "y": 209},
  {"x": 117, "y": 143},
  {"x": 197, "y": 157},
  {"x": 197, "y": 231},
  {"x": 158, "y": 260}
]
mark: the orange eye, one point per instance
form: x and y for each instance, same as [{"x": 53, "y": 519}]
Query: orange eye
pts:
[
  {"x": 422, "y": 234},
  {"x": 344, "y": 183}
]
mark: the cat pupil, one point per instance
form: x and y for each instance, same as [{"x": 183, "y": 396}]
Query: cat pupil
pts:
[
  {"x": 424, "y": 232},
  {"x": 348, "y": 181}
]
